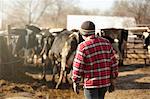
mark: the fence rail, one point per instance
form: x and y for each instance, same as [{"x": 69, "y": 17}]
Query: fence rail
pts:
[{"x": 135, "y": 52}]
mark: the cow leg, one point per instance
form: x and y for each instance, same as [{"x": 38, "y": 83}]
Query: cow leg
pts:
[
  {"x": 44, "y": 72},
  {"x": 44, "y": 61},
  {"x": 69, "y": 67},
  {"x": 54, "y": 73},
  {"x": 69, "y": 77},
  {"x": 63, "y": 64},
  {"x": 26, "y": 55},
  {"x": 65, "y": 51},
  {"x": 65, "y": 77},
  {"x": 53, "y": 77},
  {"x": 51, "y": 58},
  {"x": 60, "y": 79},
  {"x": 56, "y": 70}
]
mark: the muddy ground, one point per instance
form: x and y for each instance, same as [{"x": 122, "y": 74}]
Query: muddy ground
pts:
[{"x": 20, "y": 82}]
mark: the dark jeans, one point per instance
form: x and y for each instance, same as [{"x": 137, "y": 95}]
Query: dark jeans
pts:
[{"x": 95, "y": 93}]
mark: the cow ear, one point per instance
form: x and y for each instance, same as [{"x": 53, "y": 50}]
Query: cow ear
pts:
[{"x": 75, "y": 35}]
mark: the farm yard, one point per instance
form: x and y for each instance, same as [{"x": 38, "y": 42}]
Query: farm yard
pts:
[
  {"x": 133, "y": 83},
  {"x": 20, "y": 81},
  {"x": 39, "y": 39}
]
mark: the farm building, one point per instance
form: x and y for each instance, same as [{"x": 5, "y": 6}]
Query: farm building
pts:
[{"x": 101, "y": 22}]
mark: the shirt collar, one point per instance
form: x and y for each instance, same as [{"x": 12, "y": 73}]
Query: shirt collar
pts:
[{"x": 89, "y": 37}]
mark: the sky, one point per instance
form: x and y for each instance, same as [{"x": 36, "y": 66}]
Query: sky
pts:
[{"x": 96, "y": 4}]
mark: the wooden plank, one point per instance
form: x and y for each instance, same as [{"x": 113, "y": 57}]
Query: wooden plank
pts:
[
  {"x": 135, "y": 46},
  {"x": 130, "y": 51},
  {"x": 142, "y": 56},
  {"x": 137, "y": 56},
  {"x": 136, "y": 41},
  {"x": 136, "y": 52},
  {"x": 134, "y": 61}
]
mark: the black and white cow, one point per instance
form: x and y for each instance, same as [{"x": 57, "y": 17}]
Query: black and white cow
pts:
[
  {"x": 118, "y": 39},
  {"x": 62, "y": 53},
  {"x": 45, "y": 41},
  {"x": 146, "y": 37},
  {"x": 26, "y": 42}
]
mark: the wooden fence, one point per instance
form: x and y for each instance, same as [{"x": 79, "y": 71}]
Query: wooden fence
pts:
[{"x": 136, "y": 54}]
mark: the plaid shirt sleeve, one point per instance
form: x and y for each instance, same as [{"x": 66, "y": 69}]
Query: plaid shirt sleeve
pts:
[
  {"x": 114, "y": 65},
  {"x": 78, "y": 63}
]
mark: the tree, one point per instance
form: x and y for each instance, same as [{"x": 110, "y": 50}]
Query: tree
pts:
[
  {"x": 44, "y": 13},
  {"x": 27, "y": 11},
  {"x": 23, "y": 12},
  {"x": 139, "y": 9}
]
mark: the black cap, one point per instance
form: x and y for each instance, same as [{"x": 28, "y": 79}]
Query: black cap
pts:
[{"x": 87, "y": 28}]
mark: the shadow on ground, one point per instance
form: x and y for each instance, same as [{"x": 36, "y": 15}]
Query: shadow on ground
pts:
[{"x": 130, "y": 76}]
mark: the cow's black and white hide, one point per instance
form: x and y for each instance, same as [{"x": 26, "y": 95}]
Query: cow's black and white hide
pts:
[
  {"x": 48, "y": 39},
  {"x": 62, "y": 53},
  {"x": 146, "y": 37},
  {"x": 26, "y": 44},
  {"x": 12, "y": 44},
  {"x": 118, "y": 39},
  {"x": 20, "y": 44},
  {"x": 45, "y": 41}
]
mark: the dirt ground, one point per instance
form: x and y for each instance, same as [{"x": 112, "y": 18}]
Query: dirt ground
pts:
[{"x": 133, "y": 83}]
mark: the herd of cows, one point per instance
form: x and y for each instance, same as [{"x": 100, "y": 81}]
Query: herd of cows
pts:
[{"x": 56, "y": 49}]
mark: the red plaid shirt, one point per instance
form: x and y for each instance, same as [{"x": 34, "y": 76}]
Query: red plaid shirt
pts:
[{"x": 95, "y": 62}]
